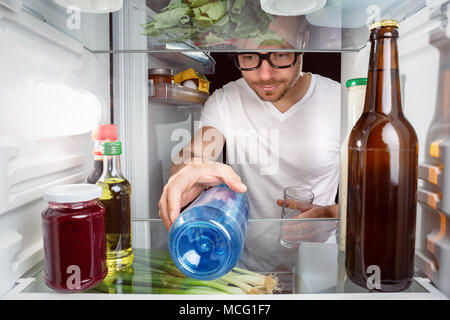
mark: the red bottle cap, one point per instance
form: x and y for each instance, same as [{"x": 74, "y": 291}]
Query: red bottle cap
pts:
[{"x": 105, "y": 132}]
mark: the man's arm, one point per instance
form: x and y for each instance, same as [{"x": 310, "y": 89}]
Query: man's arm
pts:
[{"x": 206, "y": 145}]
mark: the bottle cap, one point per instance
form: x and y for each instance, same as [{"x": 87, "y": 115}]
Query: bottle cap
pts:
[
  {"x": 105, "y": 132},
  {"x": 356, "y": 82},
  {"x": 384, "y": 23},
  {"x": 71, "y": 193},
  {"x": 112, "y": 148}
]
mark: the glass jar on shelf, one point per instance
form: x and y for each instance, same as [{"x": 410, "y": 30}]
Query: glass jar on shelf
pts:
[
  {"x": 156, "y": 77},
  {"x": 73, "y": 229}
]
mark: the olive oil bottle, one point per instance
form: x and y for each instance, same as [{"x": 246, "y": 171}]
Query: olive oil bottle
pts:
[{"x": 116, "y": 199}]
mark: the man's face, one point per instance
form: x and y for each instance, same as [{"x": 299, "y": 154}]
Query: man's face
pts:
[{"x": 271, "y": 84}]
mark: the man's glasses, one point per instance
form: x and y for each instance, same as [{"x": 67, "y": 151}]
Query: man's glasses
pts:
[{"x": 253, "y": 60}]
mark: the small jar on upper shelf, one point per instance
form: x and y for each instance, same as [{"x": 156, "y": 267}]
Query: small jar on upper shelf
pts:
[{"x": 158, "y": 76}]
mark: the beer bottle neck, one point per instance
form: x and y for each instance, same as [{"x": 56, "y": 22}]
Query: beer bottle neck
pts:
[{"x": 383, "y": 82}]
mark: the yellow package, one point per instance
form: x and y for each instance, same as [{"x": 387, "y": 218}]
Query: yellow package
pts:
[{"x": 190, "y": 74}]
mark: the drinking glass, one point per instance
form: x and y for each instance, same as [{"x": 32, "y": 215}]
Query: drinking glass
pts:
[{"x": 296, "y": 200}]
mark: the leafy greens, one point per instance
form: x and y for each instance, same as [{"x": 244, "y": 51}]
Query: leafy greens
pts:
[{"x": 210, "y": 22}]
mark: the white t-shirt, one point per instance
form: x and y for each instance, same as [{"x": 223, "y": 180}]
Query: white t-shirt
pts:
[{"x": 271, "y": 150}]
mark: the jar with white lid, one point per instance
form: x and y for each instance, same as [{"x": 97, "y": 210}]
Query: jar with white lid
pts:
[{"x": 73, "y": 229}]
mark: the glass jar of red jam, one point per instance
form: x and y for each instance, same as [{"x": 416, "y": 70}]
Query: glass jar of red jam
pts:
[{"x": 73, "y": 227}]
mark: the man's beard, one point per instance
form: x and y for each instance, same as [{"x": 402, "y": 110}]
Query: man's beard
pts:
[{"x": 272, "y": 96}]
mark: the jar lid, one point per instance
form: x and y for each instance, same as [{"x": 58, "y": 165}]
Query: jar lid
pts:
[
  {"x": 160, "y": 71},
  {"x": 356, "y": 82},
  {"x": 384, "y": 23},
  {"x": 71, "y": 193}
]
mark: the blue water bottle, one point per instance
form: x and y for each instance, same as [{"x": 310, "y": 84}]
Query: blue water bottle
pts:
[{"x": 207, "y": 238}]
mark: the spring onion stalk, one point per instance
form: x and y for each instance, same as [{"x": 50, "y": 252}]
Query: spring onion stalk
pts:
[
  {"x": 269, "y": 282},
  {"x": 241, "y": 284},
  {"x": 155, "y": 273}
]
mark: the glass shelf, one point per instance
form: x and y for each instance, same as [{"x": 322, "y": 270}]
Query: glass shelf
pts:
[
  {"x": 176, "y": 95},
  {"x": 340, "y": 26},
  {"x": 315, "y": 267}
]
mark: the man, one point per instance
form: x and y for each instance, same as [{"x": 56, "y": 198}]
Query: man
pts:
[{"x": 282, "y": 127}]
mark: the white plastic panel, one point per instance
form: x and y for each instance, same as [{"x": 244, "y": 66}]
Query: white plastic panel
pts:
[
  {"x": 31, "y": 158},
  {"x": 90, "y": 30},
  {"x": 14, "y": 5},
  {"x": 434, "y": 172}
]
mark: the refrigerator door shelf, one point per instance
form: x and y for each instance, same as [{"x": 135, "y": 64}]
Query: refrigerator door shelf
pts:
[
  {"x": 12, "y": 263},
  {"x": 26, "y": 182},
  {"x": 10, "y": 244},
  {"x": 430, "y": 173},
  {"x": 438, "y": 175}
]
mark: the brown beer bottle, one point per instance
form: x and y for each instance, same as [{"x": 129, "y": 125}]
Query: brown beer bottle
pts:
[{"x": 382, "y": 176}]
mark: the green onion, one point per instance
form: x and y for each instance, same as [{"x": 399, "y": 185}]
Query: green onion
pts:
[{"x": 153, "y": 272}]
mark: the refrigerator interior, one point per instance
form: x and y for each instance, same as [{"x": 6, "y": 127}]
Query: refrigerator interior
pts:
[
  {"x": 101, "y": 61},
  {"x": 53, "y": 92}
]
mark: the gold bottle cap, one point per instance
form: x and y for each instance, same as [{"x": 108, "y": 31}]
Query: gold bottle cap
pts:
[{"x": 384, "y": 23}]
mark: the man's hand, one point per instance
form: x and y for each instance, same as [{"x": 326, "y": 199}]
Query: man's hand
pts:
[
  {"x": 314, "y": 211},
  {"x": 185, "y": 185},
  {"x": 312, "y": 231}
]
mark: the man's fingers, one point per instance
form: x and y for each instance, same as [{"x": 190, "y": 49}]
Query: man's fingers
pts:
[
  {"x": 295, "y": 205},
  {"x": 235, "y": 185},
  {"x": 173, "y": 202},
  {"x": 231, "y": 178},
  {"x": 314, "y": 212},
  {"x": 185, "y": 185},
  {"x": 293, "y": 226},
  {"x": 218, "y": 173},
  {"x": 303, "y": 235},
  {"x": 313, "y": 231},
  {"x": 163, "y": 212}
]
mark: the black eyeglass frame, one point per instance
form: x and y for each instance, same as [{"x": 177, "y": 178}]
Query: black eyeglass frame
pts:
[{"x": 263, "y": 56}]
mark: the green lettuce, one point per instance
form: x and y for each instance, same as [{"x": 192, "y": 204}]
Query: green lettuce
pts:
[{"x": 210, "y": 21}]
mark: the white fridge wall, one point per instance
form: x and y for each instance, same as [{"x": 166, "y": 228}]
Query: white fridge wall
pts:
[
  {"x": 88, "y": 29},
  {"x": 32, "y": 52}
]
